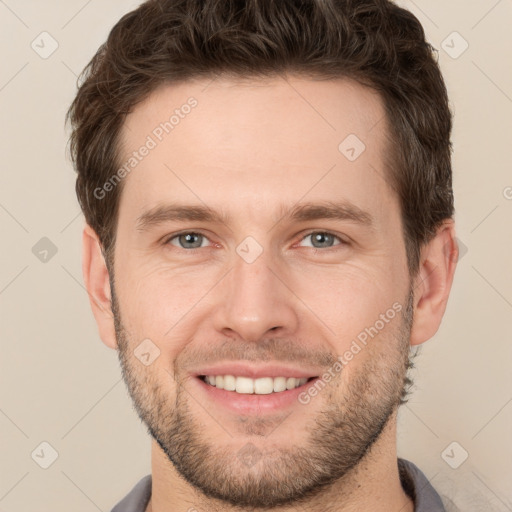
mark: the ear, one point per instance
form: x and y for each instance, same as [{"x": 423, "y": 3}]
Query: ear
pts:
[
  {"x": 433, "y": 282},
  {"x": 97, "y": 283}
]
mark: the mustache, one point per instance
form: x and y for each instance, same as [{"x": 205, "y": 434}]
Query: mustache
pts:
[{"x": 273, "y": 349}]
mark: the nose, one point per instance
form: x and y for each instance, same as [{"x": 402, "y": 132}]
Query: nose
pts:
[{"x": 254, "y": 300}]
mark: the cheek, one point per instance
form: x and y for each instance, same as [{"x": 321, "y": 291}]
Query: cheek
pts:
[
  {"x": 348, "y": 299},
  {"x": 155, "y": 302}
]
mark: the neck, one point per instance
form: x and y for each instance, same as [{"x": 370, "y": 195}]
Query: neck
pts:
[{"x": 374, "y": 484}]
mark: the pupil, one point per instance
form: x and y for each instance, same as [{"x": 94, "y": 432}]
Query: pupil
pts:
[
  {"x": 189, "y": 239},
  {"x": 322, "y": 238}
]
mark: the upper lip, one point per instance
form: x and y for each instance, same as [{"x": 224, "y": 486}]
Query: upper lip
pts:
[{"x": 240, "y": 369}]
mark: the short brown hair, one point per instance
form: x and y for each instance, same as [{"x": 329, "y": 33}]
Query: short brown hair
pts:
[{"x": 374, "y": 42}]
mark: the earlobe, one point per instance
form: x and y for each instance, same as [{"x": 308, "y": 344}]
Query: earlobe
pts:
[
  {"x": 433, "y": 282},
  {"x": 96, "y": 279}
]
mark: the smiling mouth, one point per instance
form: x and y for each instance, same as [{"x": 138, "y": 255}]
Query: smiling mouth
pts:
[{"x": 260, "y": 386}]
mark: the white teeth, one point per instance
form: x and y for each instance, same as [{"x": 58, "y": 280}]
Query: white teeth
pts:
[
  {"x": 244, "y": 385},
  {"x": 229, "y": 383},
  {"x": 248, "y": 386},
  {"x": 290, "y": 383},
  {"x": 280, "y": 384},
  {"x": 264, "y": 386}
]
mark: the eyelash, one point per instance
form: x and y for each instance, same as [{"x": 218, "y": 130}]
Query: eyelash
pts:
[{"x": 315, "y": 249}]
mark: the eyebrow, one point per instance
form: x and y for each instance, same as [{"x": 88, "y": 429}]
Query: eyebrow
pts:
[
  {"x": 168, "y": 213},
  {"x": 343, "y": 210}
]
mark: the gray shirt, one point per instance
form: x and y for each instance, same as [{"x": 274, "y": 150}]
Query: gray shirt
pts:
[{"x": 413, "y": 481}]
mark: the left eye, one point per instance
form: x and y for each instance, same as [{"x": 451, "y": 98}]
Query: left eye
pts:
[
  {"x": 188, "y": 240},
  {"x": 322, "y": 239}
]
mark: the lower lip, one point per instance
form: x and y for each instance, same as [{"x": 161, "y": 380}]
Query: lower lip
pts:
[{"x": 251, "y": 403}]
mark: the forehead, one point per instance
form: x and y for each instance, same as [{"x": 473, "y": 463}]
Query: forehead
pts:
[{"x": 260, "y": 138}]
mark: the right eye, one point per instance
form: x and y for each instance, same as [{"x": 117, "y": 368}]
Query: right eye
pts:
[{"x": 187, "y": 240}]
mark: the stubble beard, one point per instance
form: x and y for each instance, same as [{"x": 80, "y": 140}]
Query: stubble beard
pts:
[{"x": 335, "y": 441}]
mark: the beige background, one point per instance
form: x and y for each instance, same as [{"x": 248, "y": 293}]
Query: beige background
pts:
[{"x": 61, "y": 385}]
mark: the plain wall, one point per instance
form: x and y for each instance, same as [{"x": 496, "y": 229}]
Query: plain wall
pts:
[{"x": 60, "y": 384}]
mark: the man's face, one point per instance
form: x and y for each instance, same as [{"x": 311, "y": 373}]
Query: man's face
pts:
[{"x": 270, "y": 285}]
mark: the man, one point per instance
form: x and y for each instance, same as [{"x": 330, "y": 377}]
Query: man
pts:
[{"x": 267, "y": 191}]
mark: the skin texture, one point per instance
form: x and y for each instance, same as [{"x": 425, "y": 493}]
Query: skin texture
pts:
[{"x": 253, "y": 150}]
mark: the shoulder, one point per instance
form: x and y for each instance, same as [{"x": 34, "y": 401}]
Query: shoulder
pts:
[
  {"x": 418, "y": 487},
  {"x": 137, "y": 499}
]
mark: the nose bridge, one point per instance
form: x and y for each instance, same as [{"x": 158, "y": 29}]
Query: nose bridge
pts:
[{"x": 254, "y": 300}]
